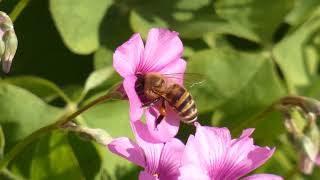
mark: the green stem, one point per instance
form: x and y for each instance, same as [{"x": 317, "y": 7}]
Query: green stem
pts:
[
  {"x": 18, "y": 9},
  {"x": 18, "y": 148}
]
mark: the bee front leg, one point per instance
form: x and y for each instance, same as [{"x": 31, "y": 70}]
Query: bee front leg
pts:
[{"x": 163, "y": 113}]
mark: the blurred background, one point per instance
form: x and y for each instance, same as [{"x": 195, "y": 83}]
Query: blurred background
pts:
[{"x": 253, "y": 52}]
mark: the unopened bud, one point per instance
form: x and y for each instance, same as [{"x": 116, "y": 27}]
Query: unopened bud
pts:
[
  {"x": 305, "y": 164},
  {"x": 308, "y": 105},
  {"x": 8, "y": 41},
  {"x": 98, "y": 135}
]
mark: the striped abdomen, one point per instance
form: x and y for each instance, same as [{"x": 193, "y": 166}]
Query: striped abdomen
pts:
[{"x": 181, "y": 100}]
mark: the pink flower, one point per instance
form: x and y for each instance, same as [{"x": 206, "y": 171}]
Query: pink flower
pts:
[
  {"x": 161, "y": 54},
  {"x": 159, "y": 160},
  {"x": 212, "y": 154}
]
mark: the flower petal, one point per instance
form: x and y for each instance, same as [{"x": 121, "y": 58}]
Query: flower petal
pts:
[
  {"x": 176, "y": 69},
  {"x": 136, "y": 110},
  {"x": 318, "y": 160},
  {"x": 127, "y": 149},
  {"x": 243, "y": 157},
  {"x": 170, "y": 159},
  {"x": 191, "y": 172},
  {"x": 212, "y": 143},
  {"x": 162, "y": 48},
  {"x": 146, "y": 176},
  {"x": 127, "y": 57},
  {"x": 152, "y": 151},
  {"x": 263, "y": 177},
  {"x": 167, "y": 128},
  {"x": 192, "y": 154}
]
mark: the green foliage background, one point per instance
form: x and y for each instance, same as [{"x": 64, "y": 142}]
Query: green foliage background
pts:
[{"x": 252, "y": 52}]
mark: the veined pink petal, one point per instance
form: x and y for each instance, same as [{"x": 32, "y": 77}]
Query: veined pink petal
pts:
[
  {"x": 221, "y": 157},
  {"x": 146, "y": 176},
  {"x": 191, "y": 172},
  {"x": 170, "y": 159},
  {"x": 152, "y": 152},
  {"x": 127, "y": 57},
  {"x": 136, "y": 110},
  {"x": 168, "y": 127},
  {"x": 212, "y": 143},
  {"x": 162, "y": 48},
  {"x": 243, "y": 157},
  {"x": 263, "y": 177},
  {"x": 176, "y": 69},
  {"x": 128, "y": 150}
]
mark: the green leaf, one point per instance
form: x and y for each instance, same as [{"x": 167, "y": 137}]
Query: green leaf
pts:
[
  {"x": 98, "y": 77},
  {"x": 43, "y": 88},
  {"x": 22, "y": 113},
  {"x": 113, "y": 117},
  {"x": 88, "y": 156},
  {"x": 238, "y": 86},
  {"x": 78, "y": 22},
  {"x": 192, "y": 19},
  {"x": 54, "y": 159},
  {"x": 2, "y": 143},
  {"x": 257, "y": 16},
  {"x": 102, "y": 58},
  {"x": 291, "y": 55},
  {"x": 228, "y": 72},
  {"x": 301, "y": 11}
]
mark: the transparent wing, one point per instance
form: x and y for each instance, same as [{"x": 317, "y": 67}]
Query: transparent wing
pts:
[{"x": 189, "y": 79}]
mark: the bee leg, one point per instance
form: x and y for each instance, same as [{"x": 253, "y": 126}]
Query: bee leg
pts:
[
  {"x": 151, "y": 103},
  {"x": 163, "y": 113}
]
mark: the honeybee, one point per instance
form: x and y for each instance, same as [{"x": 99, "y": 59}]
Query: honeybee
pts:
[{"x": 155, "y": 87}]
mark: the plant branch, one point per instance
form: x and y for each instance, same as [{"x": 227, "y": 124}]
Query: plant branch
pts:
[{"x": 18, "y": 9}]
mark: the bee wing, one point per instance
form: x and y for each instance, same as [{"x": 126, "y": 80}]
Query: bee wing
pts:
[{"x": 189, "y": 79}]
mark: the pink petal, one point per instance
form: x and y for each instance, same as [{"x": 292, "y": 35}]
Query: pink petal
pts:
[
  {"x": 146, "y": 176},
  {"x": 243, "y": 157},
  {"x": 318, "y": 160},
  {"x": 193, "y": 155},
  {"x": 175, "y": 70},
  {"x": 191, "y": 172},
  {"x": 263, "y": 177},
  {"x": 170, "y": 159},
  {"x": 152, "y": 153},
  {"x": 127, "y": 57},
  {"x": 162, "y": 48},
  {"x": 128, "y": 150},
  {"x": 136, "y": 110},
  {"x": 168, "y": 127},
  {"x": 213, "y": 143}
]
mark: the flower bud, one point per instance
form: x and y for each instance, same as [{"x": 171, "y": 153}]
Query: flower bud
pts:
[
  {"x": 8, "y": 41},
  {"x": 98, "y": 135}
]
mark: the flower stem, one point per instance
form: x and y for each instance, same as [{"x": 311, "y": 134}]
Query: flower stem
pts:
[
  {"x": 18, "y": 9},
  {"x": 20, "y": 146}
]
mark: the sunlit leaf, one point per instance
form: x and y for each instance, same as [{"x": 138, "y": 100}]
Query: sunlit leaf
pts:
[
  {"x": 41, "y": 87},
  {"x": 257, "y": 16},
  {"x": 291, "y": 56},
  {"x": 301, "y": 11},
  {"x": 97, "y": 77},
  {"x": 78, "y": 22},
  {"x": 22, "y": 113},
  {"x": 54, "y": 159},
  {"x": 114, "y": 118}
]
